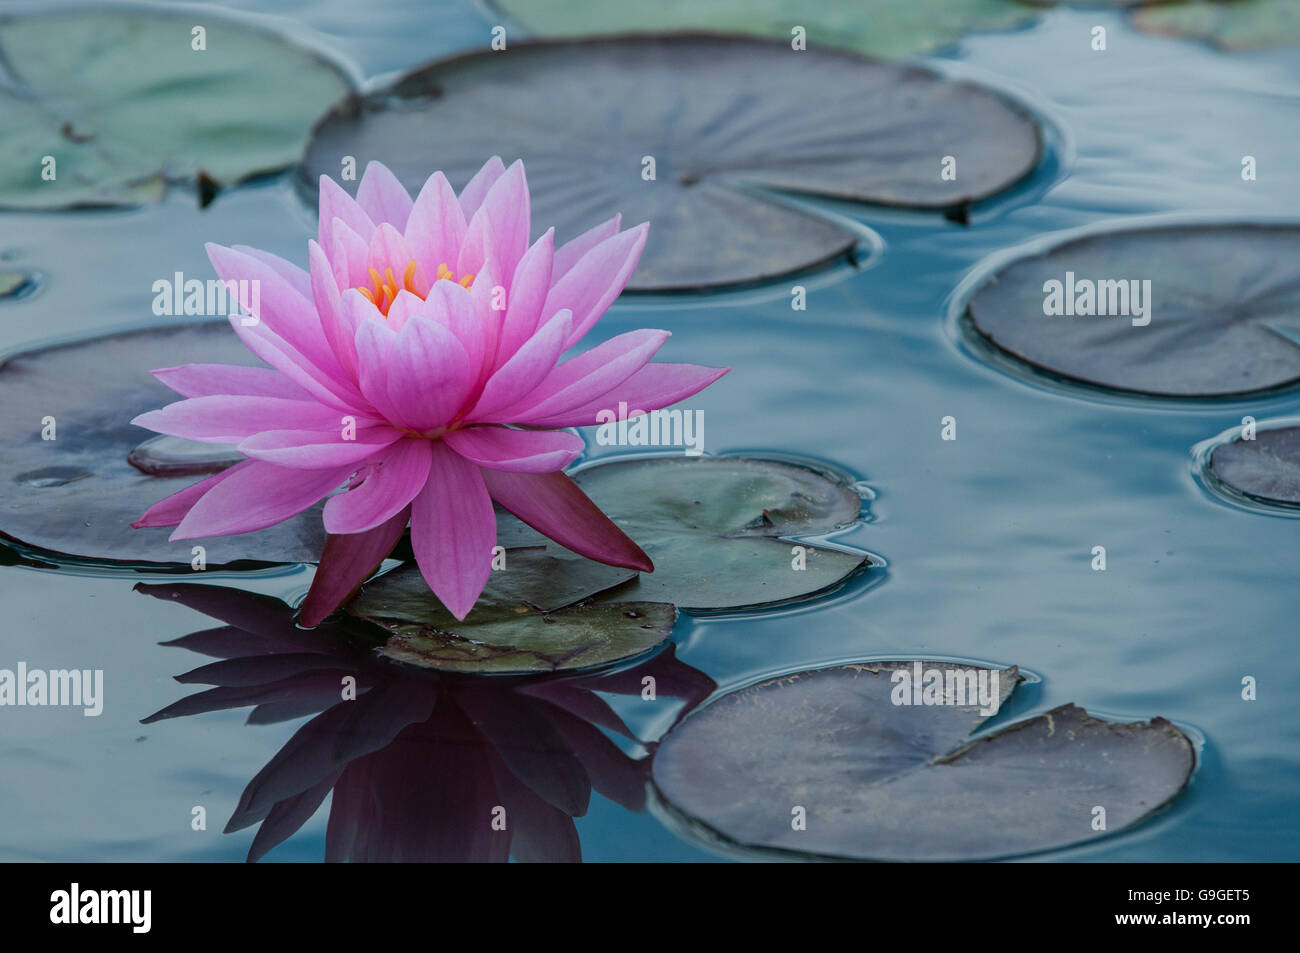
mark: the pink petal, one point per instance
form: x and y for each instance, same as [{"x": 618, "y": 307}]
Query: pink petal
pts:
[
  {"x": 391, "y": 483},
  {"x": 388, "y": 249},
  {"x": 455, "y": 309},
  {"x": 591, "y": 286},
  {"x": 209, "y": 380},
  {"x": 171, "y": 510},
  {"x": 318, "y": 449},
  {"x": 289, "y": 314},
  {"x": 429, "y": 375},
  {"x": 436, "y": 228},
  {"x": 346, "y": 562},
  {"x": 281, "y": 355},
  {"x": 336, "y": 203},
  {"x": 587, "y": 376},
  {"x": 349, "y": 257},
  {"x": 329, "y": 306},
  {"x": 553, "y": 504},
  {"x": 507, "y": 211},
  {"x": 525, "y": 370},
  {"x": 382, "y": 196},
  {"x": 405, "y": 306},
  {"x": 472, "y": 195},
  {"x": 568, "y": 254},
  {"x": 255, "y": 496},
  {"x": 229, "y": 418},
  {"x": 453, "y": 530},
  {"x": 520, "y": 451},
  {"x": 528, "y": 291},
  {"x": 284, "y": 268},
  {"x": 375, "y": 341},
  {"x": 652, "y": 387}
]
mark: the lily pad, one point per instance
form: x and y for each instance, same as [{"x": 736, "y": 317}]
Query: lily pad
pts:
[
  {"x": 530, "y": 618},
  {"x": 880, "y": 29},
  {"x": 77, "y": 494},
  {"x": 1265, "y": 468},
  {"x": 123, "y": 103},
  {"x": 884, "y": 781},
  {"x": 1236, "y": 25},
  {"x": 1224, "y": 315},
  {"x": 718, "y": 115},
  {"x": 715, "y": 528},
  {"x": 16, "y": 284}
]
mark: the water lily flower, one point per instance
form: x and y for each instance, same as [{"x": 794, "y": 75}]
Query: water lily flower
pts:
[{"x": 417, "y": 364}]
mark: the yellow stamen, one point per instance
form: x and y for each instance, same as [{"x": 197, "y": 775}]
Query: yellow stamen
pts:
[{"x": 385, "y": 288}]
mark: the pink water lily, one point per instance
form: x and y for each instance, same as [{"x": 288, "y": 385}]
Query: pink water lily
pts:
[{"x": 416, "y": 363}]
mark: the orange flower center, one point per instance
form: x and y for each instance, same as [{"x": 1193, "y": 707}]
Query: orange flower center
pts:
[{"x": 384, "y": 288}]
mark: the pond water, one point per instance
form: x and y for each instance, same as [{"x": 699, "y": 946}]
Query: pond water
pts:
[{"x": 987, "y": 538}]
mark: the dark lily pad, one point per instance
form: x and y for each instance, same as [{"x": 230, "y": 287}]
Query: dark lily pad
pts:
[
  {"x": 714, "y": 527},
  {"x": 882, "y": 781},
  {"x": 1265, "y": 468},
  {"x": 1224, "y": 311},
  {"x": 717, "y": 114},
  {"x": 892, "y": 29},
  {"x": 123, "y": 103},
  {"x": 77, "y": 494},
  {"x": 1235, "y": 25},
  {"x": 530, "y": 618}
]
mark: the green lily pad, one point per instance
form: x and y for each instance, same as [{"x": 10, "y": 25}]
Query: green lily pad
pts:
[
  {"x": 1266, "y": 468},
  {"x": 718, "y": 115},
  {"x": 530, "y": 618},
  {"x": 876, "y": 780},
  {"x": 879, "y": 29},
  {"x": 123, "y": 103},
  {"x": 1238, "y": 25},
  {"x": 78, "y": 493},
  {"x": 715, "y": 528},
  {"x": 1224, "y": 315}
]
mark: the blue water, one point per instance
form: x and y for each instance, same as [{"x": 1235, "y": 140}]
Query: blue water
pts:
[{"x": 988, "y": 538}]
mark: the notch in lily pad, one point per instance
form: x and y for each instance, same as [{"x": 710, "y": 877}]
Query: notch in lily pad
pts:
[
  {"x": 104, "y": 108},
  {"x": 1222, "y": 305},
  {"x": 730, "y": 532},
  {"x": 694, "y": 133},
  {"x": 828, "y": 763}
]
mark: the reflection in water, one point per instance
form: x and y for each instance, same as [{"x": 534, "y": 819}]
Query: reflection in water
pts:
[{"x": 423, "y": 766}]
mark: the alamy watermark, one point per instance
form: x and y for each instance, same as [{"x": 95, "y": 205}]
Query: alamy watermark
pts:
[
  {"x": 1104, "y": 297},
  {"x": 959, "y": 687},
  {"x": 657, "y": 428},
  {"x": 211, "y": 298},
  {"x": 56, "y": 688}
]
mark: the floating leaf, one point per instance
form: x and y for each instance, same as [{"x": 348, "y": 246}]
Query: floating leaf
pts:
[
  {"x": 77, "y": 494},
  {"x": 1266, "y": 468},
  {"x": 122, "y": 102},
  {"x": 714, "y": 527},
  {"x": 885, "y": 781},
  {"x": 16, "y": 284},
  {"x": 1236, "y": 25},
  {"x": 525, "y": 621},
  {"x": 714, "y": 115},
  {"x": 878, "y": 29},
  {"x": 1224, "y": 310}
]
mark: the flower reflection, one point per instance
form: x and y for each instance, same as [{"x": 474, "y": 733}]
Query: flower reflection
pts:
[{"x": 423, "y": 766}]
